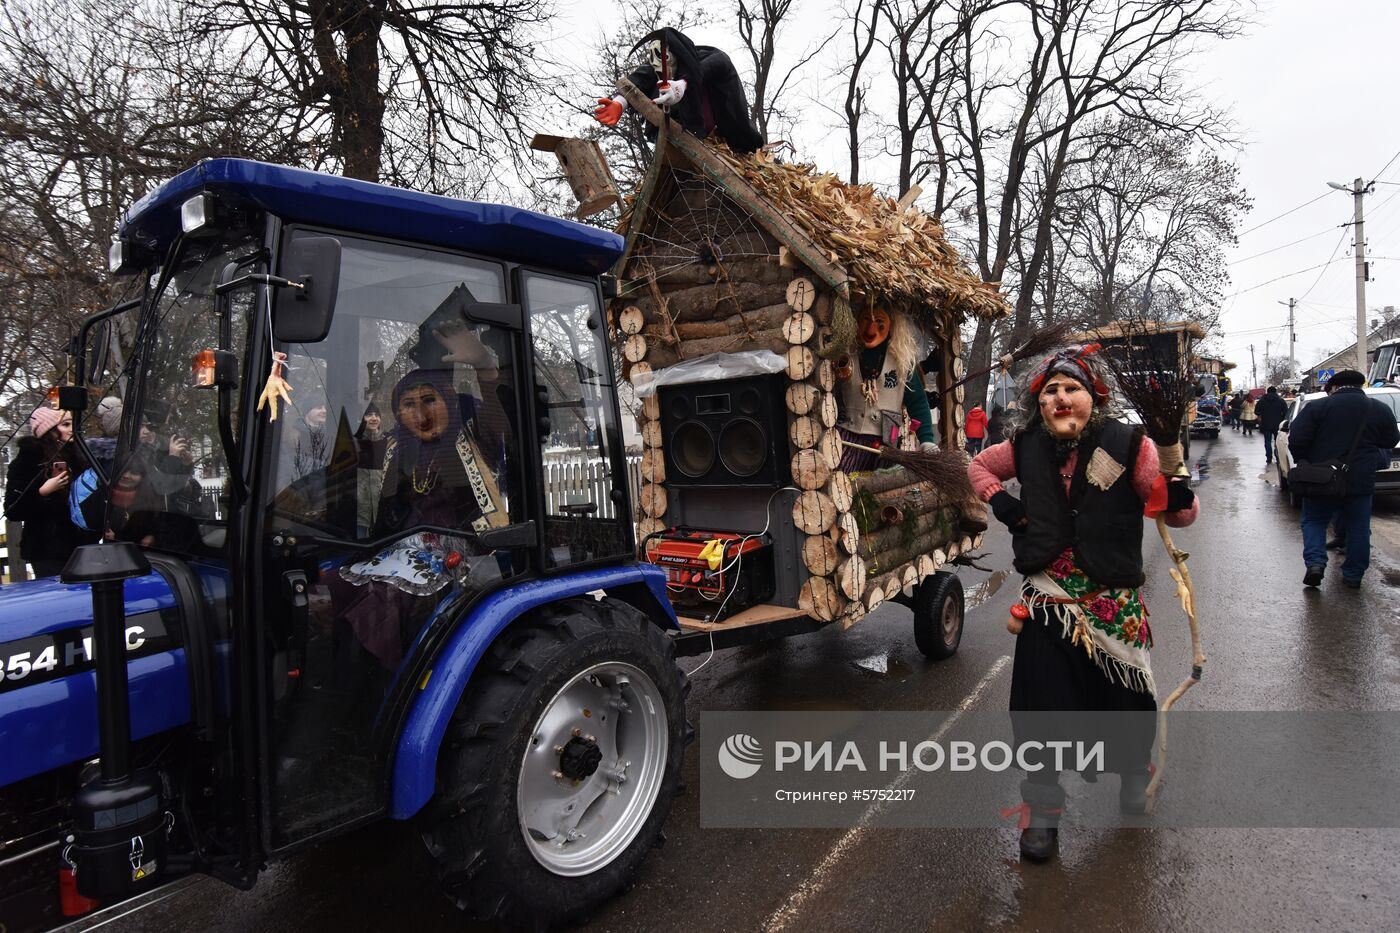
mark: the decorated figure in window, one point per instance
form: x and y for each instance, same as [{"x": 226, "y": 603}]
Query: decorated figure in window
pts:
[{"x": 878, "y": 381}]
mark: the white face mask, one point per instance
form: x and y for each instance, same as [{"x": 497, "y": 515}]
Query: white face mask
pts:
[{"x": 654, "y": 56}]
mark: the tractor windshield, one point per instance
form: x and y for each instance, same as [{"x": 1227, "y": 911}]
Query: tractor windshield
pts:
[{"x": 169, "y": 478}]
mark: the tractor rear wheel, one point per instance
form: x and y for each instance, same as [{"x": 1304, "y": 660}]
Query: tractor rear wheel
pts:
[
  {"x": 938, "y": 615},
  {"x": 559, "y": 766}
]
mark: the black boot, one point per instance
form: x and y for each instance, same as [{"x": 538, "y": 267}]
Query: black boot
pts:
[
  {"x": 1132, "y": 793},
  {"x": 1041, "y": 837}
]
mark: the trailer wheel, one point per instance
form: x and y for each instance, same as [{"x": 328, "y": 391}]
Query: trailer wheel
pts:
[
  {"x": 559, "y": 766},
  {"x": 938, "y": 615}
]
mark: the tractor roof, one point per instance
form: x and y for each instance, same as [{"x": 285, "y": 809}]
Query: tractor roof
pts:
[{"x": 295, "y": 194}]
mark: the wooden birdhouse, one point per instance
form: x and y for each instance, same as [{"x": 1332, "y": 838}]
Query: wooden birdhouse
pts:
[{"x": 586, "y": 170}]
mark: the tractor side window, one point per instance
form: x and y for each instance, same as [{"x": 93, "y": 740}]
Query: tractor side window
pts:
[
  {"x": 398, "y": 446},
  {"x": 583, "y": 518}
]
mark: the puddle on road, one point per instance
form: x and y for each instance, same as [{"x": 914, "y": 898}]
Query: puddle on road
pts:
[
  {"x": 985, "y": 590},
  {"x": 885, "y": 665},
  {"x": 876, "y": 663}
]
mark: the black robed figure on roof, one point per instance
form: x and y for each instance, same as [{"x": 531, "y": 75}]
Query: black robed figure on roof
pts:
[{"x": 700, "y": 85}]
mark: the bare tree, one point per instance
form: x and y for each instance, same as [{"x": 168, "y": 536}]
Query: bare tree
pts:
[
  {"x": 1084, "y": 59},
  {"x": 863, "y": 23},
  {"x": 759, "y": 22},
  {"x": 103, "y": 104},
  {"x": 1150, "y": 217},
  {"x": 424, "y": 94}
]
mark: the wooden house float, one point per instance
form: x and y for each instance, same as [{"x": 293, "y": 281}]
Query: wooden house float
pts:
[{"x": 729, "y": 253}]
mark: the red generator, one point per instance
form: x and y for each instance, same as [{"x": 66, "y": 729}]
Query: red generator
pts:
[{"x": 712, "y": 574}]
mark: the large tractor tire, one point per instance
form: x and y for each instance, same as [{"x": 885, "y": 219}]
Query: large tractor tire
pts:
[
  {"x": 559, "y": 766},
  {"x": 938, "y": 615}
]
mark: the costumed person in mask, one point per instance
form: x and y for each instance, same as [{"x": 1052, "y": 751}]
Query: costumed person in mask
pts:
[
  {"x": 441, "y": 467},
  {"x": 1083, "y": 641},
  {"x": 877, "y": 383},
  {"x": 699, "y": 84}
]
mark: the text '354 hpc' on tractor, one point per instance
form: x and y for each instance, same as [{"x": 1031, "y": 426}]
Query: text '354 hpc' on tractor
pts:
[{"x": 334, "y": 589}]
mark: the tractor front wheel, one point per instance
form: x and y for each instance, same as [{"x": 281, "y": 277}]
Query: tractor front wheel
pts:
[{"x": 559, "y": 766}]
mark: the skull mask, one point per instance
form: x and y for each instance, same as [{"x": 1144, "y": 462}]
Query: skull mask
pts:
[{"x": 654, "y": 57}]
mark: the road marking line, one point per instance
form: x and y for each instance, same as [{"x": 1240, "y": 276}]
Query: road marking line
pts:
[{"x": 781, "y": 918}]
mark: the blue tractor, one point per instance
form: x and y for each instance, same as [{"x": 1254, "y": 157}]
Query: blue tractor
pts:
[{"x": 370, "y": 606}]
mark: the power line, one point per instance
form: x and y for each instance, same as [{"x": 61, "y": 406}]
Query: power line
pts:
[
  {"x": 1235, "y": 262},
  {"x": 1285, "y": 213},
  {"x": 1331, "y": 259},
  {"x": 1387, "y": 165}
]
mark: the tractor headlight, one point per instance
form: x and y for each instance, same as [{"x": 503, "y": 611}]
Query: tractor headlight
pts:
[
  {"x": 197, "y": 213},
  {"x": 125, "y": 257}
]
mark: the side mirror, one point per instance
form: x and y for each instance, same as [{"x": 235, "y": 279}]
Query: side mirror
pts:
[{"x": 304, "y": 315}]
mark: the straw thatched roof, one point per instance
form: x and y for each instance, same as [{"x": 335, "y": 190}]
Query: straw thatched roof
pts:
[{"x": 864, "y": 245}]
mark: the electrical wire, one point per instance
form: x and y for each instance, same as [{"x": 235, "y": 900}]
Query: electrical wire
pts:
[
  {"x": 738, "y": 564},
  {"x": 1285, "y": 213},
  {"x": 1326, "y": 230}
]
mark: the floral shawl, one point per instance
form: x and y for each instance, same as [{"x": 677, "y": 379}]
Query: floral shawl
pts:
[{"x": 1109, "y": 622}]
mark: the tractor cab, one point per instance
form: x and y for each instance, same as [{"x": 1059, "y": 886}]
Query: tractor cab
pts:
[{"x": 341, "y": 399}]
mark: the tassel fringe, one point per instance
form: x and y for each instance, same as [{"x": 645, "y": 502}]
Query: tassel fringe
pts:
[{"x": 1076, "y": 629}]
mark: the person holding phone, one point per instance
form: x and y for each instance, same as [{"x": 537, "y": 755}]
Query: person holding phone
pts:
[{"x": 36, "y": 493}]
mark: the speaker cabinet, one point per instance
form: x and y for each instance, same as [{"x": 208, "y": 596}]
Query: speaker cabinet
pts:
[{"x": 732, "y": 432}]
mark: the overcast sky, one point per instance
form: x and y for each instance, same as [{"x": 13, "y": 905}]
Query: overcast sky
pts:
[{"x": 1311, "y": 87}]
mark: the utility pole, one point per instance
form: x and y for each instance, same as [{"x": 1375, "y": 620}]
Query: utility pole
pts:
[
  {"x": 1359, "y": 189},
  {"x": 1254, "y": 370},
  {"x": 1359, "y": 194},
  {"x": 1292, "y": 371}
]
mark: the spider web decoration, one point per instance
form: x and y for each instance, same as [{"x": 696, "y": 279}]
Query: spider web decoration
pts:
[{"x": 699, "y": 224}]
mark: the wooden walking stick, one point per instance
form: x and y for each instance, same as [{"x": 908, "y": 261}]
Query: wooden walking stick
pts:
[{"x": 1154, "y": 375}]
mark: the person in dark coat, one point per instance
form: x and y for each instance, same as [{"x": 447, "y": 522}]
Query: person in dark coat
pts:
[
  {"x": 1237, "y": 411},
  {"x": 1325, "y": 430},
  {"x": 36, "y": 493},
  {"x": 1271, "y": 410},
  {"x": 704, "y": 91}
]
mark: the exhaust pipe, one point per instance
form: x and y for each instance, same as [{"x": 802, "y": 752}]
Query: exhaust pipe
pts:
[{"x": 119, "y": 844}]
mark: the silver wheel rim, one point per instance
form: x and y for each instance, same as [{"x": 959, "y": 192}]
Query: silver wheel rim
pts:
[
  {"x": 952, "y": 620},
  {"x": 576, "y": 825}
]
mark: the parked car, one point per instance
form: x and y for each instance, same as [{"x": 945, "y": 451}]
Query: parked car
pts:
[
  {"x": 1207, "y": 420},
  {"x": 1387, "y": 480}
]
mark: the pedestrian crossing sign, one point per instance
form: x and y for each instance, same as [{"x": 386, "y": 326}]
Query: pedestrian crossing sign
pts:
[{"x": 1324, "y": 374}]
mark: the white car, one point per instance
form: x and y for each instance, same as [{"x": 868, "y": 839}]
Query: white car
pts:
[{"x": 1387, "y": 480}]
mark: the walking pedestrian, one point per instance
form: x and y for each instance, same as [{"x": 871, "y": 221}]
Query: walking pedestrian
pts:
[
  {"x": 996, "y": 426},
  {"x": 1076, "y": 534},
  {"x": 1360, "y": 432},
  {"x": 1236, "y": 409},
  {"x": 1270, "y": 410},
  {"x": 1247, "y": 417},
  {"x": 36, "y": 493},
  {"x": 975, "y": 426}
]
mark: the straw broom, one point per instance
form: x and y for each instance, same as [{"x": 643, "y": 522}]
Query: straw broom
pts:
[
  {"x": 1042, "y": 341},
  {"x": 1157, "y": 382}
]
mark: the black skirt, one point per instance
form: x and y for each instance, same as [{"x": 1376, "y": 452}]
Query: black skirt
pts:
[{"x": 1051, "y": 675}]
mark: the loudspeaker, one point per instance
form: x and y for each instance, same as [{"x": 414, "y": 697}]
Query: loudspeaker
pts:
[{"x": 732, "y": 432}]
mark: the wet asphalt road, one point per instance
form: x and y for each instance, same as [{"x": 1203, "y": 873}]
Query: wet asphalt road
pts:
[{"x": 1271, "y": 646}]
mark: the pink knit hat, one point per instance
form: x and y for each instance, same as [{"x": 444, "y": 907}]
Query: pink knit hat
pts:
[{"x": 44, "y": 420}]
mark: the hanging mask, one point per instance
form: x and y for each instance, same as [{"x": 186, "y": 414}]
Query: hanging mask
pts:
[{"x": 654, "y": 56}]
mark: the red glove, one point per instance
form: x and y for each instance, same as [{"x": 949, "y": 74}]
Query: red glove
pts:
[{"x": 608, "y": 112}]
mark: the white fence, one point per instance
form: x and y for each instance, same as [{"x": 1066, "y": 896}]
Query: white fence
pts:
[{"x": 570, "y": 479}]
